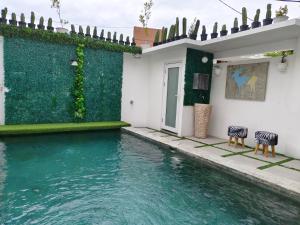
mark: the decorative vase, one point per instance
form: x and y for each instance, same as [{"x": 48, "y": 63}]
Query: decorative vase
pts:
[
  {"x": 202, "y": 115},
  {"x": 280, "y": 19}
]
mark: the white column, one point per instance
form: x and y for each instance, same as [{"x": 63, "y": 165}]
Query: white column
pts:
[{"x": 2, "y": 93}]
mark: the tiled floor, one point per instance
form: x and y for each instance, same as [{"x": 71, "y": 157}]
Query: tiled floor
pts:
[{"x": 281, "y": 172}]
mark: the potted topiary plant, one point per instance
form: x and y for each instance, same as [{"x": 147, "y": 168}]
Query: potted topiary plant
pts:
[
  {"x": 256, "y": 22},
  {"x": 3, "y": 16},
  {"x": 203, "y": 34},
  {"x": 184, "y": 28},
  {"x": 170, "y": 34},
  {"x": 165, "y": 35},
  {"x": 214, "y": 34},
  {"x": 281, "y": 14},
  {"x": 102, "y": 38},
  {"x": 268, "y": 20},
  {"x": 115, "y": 38},
  {"x": 161, "y": 36},
  {"x": 41, "y": 24},
  {"x": 223, "y": 31},
  {"x": 194, "y": 33},
  {"x": 244, "y": 25},
  {"x": 32, "y": 19},
  {"x": 13, "y": 20},
  {"x": 235, "y": 28},
  {"x": 80, "y": 31},
  {"x": 95, "y": 35},
  {"x": 127, "y": 42},
  {"x": 72, "y": 32},
  {"x": 88, "y": 31},
  {"x": 177, "y": 36},
  {"x": 156, "y": 39},
  {"x": 49, "y": 25},
  {"x": 108, "y": 38},
  {"x": 133, "y": 42},
  {"x": 22, "y": 22},
  {"x": 121, "y": 41}
]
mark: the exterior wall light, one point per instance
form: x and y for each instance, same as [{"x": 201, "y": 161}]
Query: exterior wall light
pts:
[
  {"x": 217, "y": 70},
  {"x": 74, "y": 62}
]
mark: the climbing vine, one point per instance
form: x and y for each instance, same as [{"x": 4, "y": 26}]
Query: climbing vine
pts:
[{"x": 79, "y": 100}]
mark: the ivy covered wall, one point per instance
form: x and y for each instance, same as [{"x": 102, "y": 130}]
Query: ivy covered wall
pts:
[
  {"x": 40, "y": 80},
  {"x": 193, "y": 65}
]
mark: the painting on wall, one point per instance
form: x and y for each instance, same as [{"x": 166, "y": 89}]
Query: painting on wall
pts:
[{"x": 247, "y": 81}]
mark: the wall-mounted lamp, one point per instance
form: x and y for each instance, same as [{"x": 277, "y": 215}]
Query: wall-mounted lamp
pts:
[
  {"x": 74, "y": 62},
  {"x": 217, "y": 70},
  {"x": 282, "y": 65}
]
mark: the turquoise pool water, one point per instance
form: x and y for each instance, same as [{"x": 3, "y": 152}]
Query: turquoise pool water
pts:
[{"x": 113, "y": 178}]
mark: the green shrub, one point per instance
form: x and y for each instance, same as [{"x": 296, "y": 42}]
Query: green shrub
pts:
[
  {"x": 236, "y": 23},
  {"x": 184, "y": 26},
  {"x": 177, "y": 27},
  {"x": 32, "y": 18},
  {"x": 156, "y": 39},
  {"x": 269, "y": 11},
  {"x": 244, "y": 16},
  {"x": 256, "y": 17},
  {"x": 215, "y": 29},
  {"x": 203, "y": 30},
  {"x": 224, "y": 27}
]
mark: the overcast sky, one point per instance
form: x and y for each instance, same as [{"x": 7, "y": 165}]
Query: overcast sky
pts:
[{"x": 122, "y": 15}]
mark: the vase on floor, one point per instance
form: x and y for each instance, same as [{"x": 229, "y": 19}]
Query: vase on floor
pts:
[{"x": 202, "y": 115}]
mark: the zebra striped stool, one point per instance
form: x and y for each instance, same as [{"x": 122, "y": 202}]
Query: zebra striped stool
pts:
[
  {"x": 266, "y": 139},
  {"x": 237, "y": 132}
]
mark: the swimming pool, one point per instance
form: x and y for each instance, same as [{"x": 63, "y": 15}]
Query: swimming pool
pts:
[{"x": 112, "y": 177}]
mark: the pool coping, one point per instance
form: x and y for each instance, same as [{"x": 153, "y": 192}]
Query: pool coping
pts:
[{"x": 279, "y": 185}]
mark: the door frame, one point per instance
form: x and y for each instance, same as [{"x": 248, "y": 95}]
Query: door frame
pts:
[{"x": 168, "y": 65}]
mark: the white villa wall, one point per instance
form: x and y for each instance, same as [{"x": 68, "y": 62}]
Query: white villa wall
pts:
[
  {"x": 135, "y": 88},
  {"x": 2, "y": 93},
  {"x": 279, "y": 113}
]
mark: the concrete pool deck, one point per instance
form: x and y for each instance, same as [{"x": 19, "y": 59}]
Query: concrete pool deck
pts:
[{"x": 280, "y": 174}]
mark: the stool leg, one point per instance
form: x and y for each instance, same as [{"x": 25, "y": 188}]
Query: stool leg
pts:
[
  {"x": 266, "y": 150},
  {"x": 256, "y": 149},
  {"x": 236, "y": 141},
  {"x": 230, "y": 140},
  {"x": 243, "y": 143},
  {"x": 273, "y": 150}
]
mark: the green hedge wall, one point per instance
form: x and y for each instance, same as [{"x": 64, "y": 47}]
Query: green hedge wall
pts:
[
  {"x": 41, "y": 80},
  {"x": 194, "y": 64}
]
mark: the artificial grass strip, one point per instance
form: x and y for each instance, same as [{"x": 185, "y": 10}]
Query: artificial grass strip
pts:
[
  {"x": 237, "y": 153},
  {"x": 275, "y": 164},
  {"x": 59, "y": 127}
]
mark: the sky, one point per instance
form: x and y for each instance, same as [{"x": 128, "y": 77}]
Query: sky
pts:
[{"x": 122, "y": 15}]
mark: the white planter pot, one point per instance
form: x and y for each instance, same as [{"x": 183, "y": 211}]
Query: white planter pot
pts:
[
  {"x": 62, "y": 30},
  {"x": 282, "y": 67},
  {"x": 280, "y": 19}
]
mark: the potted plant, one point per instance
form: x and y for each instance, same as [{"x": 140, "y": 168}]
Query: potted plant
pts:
[
  {"x": 72, "y": 32},
  {"x": 88, "y": 31},
  {"x": 22, "y": 22},
  {"x": 80, "y": 31},
  {"x": 214, "y": 34},
  {"x": 223, "y": 31},
  {"x": 56, "y": 4},
  {"x": 13, "y": 20},
  {"x": 121, "y": 41},
  {"x": 156, "y": 39},
  {"x": 170, "y": 34},
  {"x": 115, "y": 38},
  {"x": 194, "y": 33},
  {"x": 256, "y": 22},
  {"x": 102, "y": 38},
  {"x": 281, "y": 14},
  {"x": 268, "y": 20},
  {"x": 127, "y": 42},
  {"x": 3, "y": 16},
  {"x": 32, "y": 19},
  {"x": 165, "y": 35},
  {"x": 184, "y": 28},
  {"x": 133, "y": 42},
  {"x": 108, "y": 38},
  {"x": 244, "y": 25},
  {"x": 49, "y": 25},
  {"x": 203, "y": 34},
  {"x": 177, "y": 36},
  {"x": 235, "y": 27},
  {"x": 95, "y": 35},
  {"x": 41, "y": 24}
]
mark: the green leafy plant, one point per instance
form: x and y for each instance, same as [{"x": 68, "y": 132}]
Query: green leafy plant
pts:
[
  {"x": 236, "y": 23},
  {"x": 215, "y": 28},
  {"x": 282, "y": 54},
  {"x": 184, "y": 27},
  {"x": 196, "y": 29},
  {"x": 121, "y": 41},
  {"x": 79, "y": 98},
  {"x": 165, "y": 34},
  {"x": 244, "y": 16},
  {"x": 56, "y": 4},
  {"x": 283, "y": 11},
  {"x": 256, "y": 17},
  {"x": 177, "y": 27},
  {"x": 32, "y": 18},
  {"x": 80, "y": 32},
  {"x": 88, "y": 31},
  {"x": 203, "y": 30},
  {"x": 4, "y": 13},
  {"x": 108, "y": 38},
  {"x": 269, "y": 11},
  {"x": 162, "y": 34},
  {"x": 95, "y": 35},
  {"x": 127, "y": 42},
  {"x": 22, "y": 17},
  {"x": 41, "y": 23},
  {"x": 115, "y": 37},
  {"x": 102, "y": 35},
  {"x": 156, "y": 38},
  {"x": 53, "y": 37},
  {"x": 224, "y": 27},
  {"x": 133, "y": 42},
  {"x": 192, "y": 27},
  {"x": 171, "y": 33},
  {"x": 13, "y": 20},
  {"x": 145, "y": 15},
  {"x": 73, "y": 31},
  {"x": 49, "y": 25}
]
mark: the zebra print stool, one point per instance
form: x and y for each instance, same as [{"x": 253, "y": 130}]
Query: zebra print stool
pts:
[
  {"x": 266, "y": 139},
  {"x": 237, "y": 132}
]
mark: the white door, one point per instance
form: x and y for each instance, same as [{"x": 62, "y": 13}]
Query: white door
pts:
[{"x": 171, "y": 97}]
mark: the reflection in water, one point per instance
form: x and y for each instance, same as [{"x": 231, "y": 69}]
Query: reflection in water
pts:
[{"x": 2, "y": 167}]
